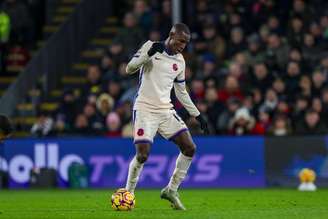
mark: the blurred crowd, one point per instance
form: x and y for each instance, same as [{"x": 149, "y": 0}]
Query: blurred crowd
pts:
[
  {"x": 21, "y": 23},
  {"x": 254, "y": 67}
]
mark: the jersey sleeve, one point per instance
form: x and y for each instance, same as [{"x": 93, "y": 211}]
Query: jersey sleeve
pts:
[
  {"x": 182, "y": 94},
  {"x": 139, "y": 58},
  {"x": 180, "y": 78}
]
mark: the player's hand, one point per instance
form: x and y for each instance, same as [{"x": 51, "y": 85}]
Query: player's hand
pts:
[
  {"x": 203, "y": 124},
  {"x": 156, "y": 47}
]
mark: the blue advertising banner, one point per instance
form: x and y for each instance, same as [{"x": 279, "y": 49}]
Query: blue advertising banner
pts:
[{"x": 219, "y": 162}]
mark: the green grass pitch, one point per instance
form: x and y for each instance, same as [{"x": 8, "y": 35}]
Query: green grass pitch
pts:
[{"x": 214, "y": 203}]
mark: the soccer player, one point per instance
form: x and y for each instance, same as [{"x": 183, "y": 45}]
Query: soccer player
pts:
[
  {"x": 162, "y": 67},
  {"x": 5, "y": 128}
]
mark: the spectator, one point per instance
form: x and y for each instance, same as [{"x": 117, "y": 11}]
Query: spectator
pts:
[
  {"x": 113, "y": 123},
  {"x": 317, "y": 105},
  {"x": 154, "y": 35},
  {"x": 279, "y": 87},
  {"x": 66, "y": 107},
  {"x": 319, "y": 82},
  {"x": 310, "y": 49},
  {"x": 235, "y": 70},
  {"x": 273, "y": 24},
  {"x": 296, "y": 55},
  {"x": 61, "y": 128},
  {"x": 114, "y": 89},
  {"x": 81, "y": 125},
  {"x": 232, "y": 105},
  {"x": 111, "y": 61},
  {"x": 283, "y": 108},
  {"x": 143, "y": 14},
  {"x": 240, "y": 59},
  {"x": 260, "y": 77},
  {"x": 257, "y": 97},
  {"x": 270, "y": 102},
  {"x": 311, "y": 124},
  {"x": 93, "y": 81},
  {"x": 105, "y": 104},
  {"x": 261, "y": 10},
  {"x": 214, "y": 107},
  {"x": 124, "y": 110},
  {"x": 277, "y": 51},
  {"x": 197, "y": 90},
  {"x": 130, "y": 35},
  {"x": 301, "y": 10},
  {"x": 244, "y": 124},
  {"x": 163, "y": 19},
  {"x": 305, "y": 86},
  {"x": 254, "y": 53},
  {"x": 292, "y": 78},
  {"x": 264, "y": 121},
  {"x": 316, "y": 32},
  {"x": 231, "y": 89},
  {"x": 237, "y": 43},
  {"x": 301, "y": 104},
  {"x": 94, "y": 121},
  {"x": 211, "y": 42},
  {"x": 280, "y": 126},
  {"x": 43, "y": 126},
  {"x": 208, "y": 69},
  {"x": 295, "y": 33}
]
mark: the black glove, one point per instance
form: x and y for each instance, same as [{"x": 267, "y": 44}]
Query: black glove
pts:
[
  {"x": 203, "y": 124},
  {"x": 156, "y": 47}
]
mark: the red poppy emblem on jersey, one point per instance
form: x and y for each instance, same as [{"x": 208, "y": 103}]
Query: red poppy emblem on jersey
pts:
[
  {"x": 140, "y": 132},
  {"x": 175, "y": 67}
]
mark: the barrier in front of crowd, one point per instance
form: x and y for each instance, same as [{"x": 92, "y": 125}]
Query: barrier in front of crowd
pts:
[{"x": 234, "y": 162}]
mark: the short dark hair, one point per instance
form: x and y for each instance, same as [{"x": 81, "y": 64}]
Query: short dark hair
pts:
[
  {"x": 5, "y": 125},
  {"x": 181, "y": 27},
  {"x": 311, "y": 111}
]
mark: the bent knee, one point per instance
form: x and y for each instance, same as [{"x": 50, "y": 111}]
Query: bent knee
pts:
[{"x": 189, "y": 150}]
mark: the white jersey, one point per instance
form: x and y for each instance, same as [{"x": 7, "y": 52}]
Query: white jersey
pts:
[{"x": 158, "y": 75}]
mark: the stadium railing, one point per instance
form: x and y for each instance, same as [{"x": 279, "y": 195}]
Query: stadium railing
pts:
[{"x": 59, "y": 52}]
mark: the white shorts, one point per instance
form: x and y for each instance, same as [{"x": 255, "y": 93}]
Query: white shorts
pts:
[{"x": 147, "y": 124}]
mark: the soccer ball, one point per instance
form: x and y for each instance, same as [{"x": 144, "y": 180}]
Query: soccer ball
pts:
[
  {"x": 307, "y": 175},
  {"x": 123, "y": 200}
]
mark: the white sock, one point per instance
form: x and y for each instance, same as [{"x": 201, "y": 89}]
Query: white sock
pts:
[
  {"x": 182, "y": 165},
  {"x": 135, "y": 169}
]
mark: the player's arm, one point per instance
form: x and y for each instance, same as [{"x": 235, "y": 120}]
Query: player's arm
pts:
[
  {"x": 184, "y": 98},
  {"x": 143, "y": 55}
]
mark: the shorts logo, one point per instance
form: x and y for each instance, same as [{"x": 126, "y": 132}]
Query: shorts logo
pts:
[
  {"x": 175, "y": 67},
  {"x": 140, "y": 132}
]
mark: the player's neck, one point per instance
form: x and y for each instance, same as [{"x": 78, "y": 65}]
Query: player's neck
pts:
[{"x": 168, "y": 50}]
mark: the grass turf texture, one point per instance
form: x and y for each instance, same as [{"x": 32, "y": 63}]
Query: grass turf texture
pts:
[{"x": 200, "y": 204}]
